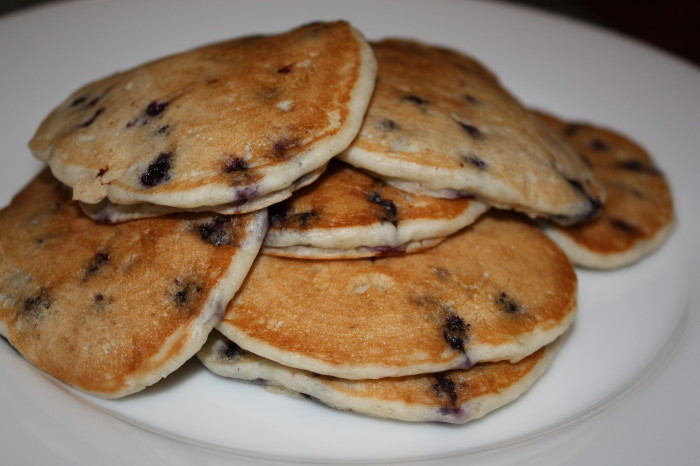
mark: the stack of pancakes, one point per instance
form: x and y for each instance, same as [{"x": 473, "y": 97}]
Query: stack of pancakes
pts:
[{"x": 381, "y": 227}]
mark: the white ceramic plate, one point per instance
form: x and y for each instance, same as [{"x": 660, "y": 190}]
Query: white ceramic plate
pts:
[{"x": 624, "y": 386}]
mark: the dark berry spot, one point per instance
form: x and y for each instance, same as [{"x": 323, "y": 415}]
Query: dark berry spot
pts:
[
  {"x": 455, "y": 332},
  {"x": 638, "y": 167},
  {"x": 35, "y": 305},
  {"x": 186, "y": 294},
  {"x": 470, "y": 98},
  {"x": 158, "y": 171},
  {"x": 165, "y": 129},
  {"x": 475, "y": 161},
  {"x": 388, "y": 208},
  {"x": 102, "y": 172},
  {"x": 234, "y": 164},
  {"x": 231, "y": 351},
  {"x": 414, "y": 99},
  {"x": 597, "y": 144},
  {"x": 388, "y": 250},
  {"x": 285, "y": 69},
  {"x": 92, "y": 119},
  {"x": 283, "y": 146},
  {"x": 471, "y": 130},
  {"x": 78, "y": 100},
  {"x": 217, "y": 232},
  {"x": 445, "y": 388},
  {"x": 387, "y": 125},
  {"x": 507, "y": 304},
  {"x": 624, "y": 226},
  {"x": 99, "y": 297},
  {"x": 247, "y": 193},
  {"x": 156, "y": 108},
  {"x": 95, "y": 265},
  {"x": 572, "y": 129}
]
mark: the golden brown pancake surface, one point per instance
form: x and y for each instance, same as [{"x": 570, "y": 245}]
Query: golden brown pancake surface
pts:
[
  {"x": 499, "y": 289},
  {"x": 112, "y": 309},
  {"x": 231, "y": 122}
]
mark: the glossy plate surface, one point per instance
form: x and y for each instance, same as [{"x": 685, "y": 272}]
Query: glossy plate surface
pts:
[{"x": 622, "y": 389}]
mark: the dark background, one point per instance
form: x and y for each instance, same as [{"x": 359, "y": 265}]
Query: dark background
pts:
[{"x": 672, "y": 25}]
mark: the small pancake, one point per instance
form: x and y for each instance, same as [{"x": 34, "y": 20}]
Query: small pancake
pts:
[
  {"x": 348, "y": 214},
  {"x": 637, "y": 217},
  {"x": 456, "y": 396},
  {"x": 113, "y": 309},
  {"x": 440, "y": 124},
  {"x": 497, "y": 290},
  {"x": 228, "y": 123}
]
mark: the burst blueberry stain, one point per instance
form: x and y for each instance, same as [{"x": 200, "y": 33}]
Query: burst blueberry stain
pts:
[
  {"x": 475, "y": 161},
  {"x": 97, "y": 263},
  {"x": 455, "y": 332},
  {"x": 155, "y": 108},
  {"x": 624, "y": 226},
  {"x": 599, "y": 145},
  {"x": 470, "y": 98},
  {"x": 388, "y": 208},
  {"x": 471, "y": 130},
  {"x": 414, "y": 99},
  {"x": 285, "y": 69},
  {"x": 165, "y": 129},
  {"x": 282, "y": 147},
  {"x": 102, "y": 172},
  {"x": 445, "y": 387},
  {"x": 217, "y": 231},
  {"x": 92, "y": 119},
  {"x": 78, "y": 100},
  {"x": 158, "y": 171},
  {"x": 507, "y": 304},
  {"x": 230, "y": 351},
  {"x": 388, "y": 250},
  {"x": 637, "y": 166},
  {"x": 186, "y": 294},
  {"x": 34, "y": 306},
  {"x": 387, "y": 124},
  {"x": 234, "y": 164}
]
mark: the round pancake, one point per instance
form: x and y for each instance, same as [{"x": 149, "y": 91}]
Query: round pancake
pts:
[
  {"x": 497, "y": 290},
  {"x": 456, "y": 396},
  {"x": 637, "y": 217},
  {"x": 113, "y": 309},
  {"x": 440, "y": 124},
  {"x": 233, "y": 122},
  {"x": 349, "y": 214},
  {"x": 109, "y": 212}
]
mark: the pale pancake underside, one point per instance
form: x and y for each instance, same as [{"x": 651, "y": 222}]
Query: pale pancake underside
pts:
[
  {"x": 638, "y": 215},
  {"x": 348, "y": 214},
  {"x": 226, "y": 123},
  {"x": 440, "y": 124},
  {"x": 499, "y": 289},
  {"x": 113, "y": 309},
  {"x": 108, "y": 212},
  {"x": 456, "y": 396}
]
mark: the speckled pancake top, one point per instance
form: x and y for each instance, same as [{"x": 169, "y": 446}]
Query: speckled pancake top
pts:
[
  {"x": 456, "y": 396},
  {"x": 225, "y": 123},
  {"x": 638, "y": 215},
  {"x": 347, "y": 213},
  {"x": 440, "y": 123},
  {"x": 112, "y": 309},
  {"x": 499, "y": 289}
]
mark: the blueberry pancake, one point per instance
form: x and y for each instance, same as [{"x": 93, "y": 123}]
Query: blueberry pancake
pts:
[
  {"x": 497, "y": 290},
  {"x": 348, "y": 214},
  {"x": 113, "y": 309},
  {"x": 440, "y": 124},
  {"x": 232, "y": 124},
  {"x": 637, "y": 217},
  {"x": 455, "y": 396}
]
